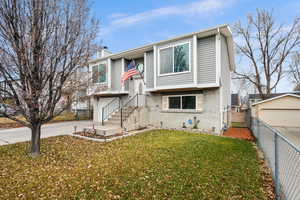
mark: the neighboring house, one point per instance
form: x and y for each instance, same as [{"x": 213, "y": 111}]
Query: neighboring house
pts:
[
  {"x": 81, "y": 105},
  {"x": 279, "y": 111},
  {"x": 235, "y": 102},
  {"x": 237, "y": 113},
  {"x": 184, "y": 80}
]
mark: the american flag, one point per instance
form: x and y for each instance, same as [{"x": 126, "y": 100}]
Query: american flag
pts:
[{"x": 131, "y": 71}]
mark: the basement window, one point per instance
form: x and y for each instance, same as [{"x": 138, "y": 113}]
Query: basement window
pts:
[{"x": 182, "y": 102}]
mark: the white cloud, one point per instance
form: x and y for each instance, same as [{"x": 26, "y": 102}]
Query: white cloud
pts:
[
  {"x": 116, "y": 15},
  {"x": 203, "y": 8}
]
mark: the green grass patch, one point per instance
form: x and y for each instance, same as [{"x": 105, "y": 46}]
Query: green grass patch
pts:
[
  {"x": 239, "y": 124},
  {"x": 155, "y": 165}
]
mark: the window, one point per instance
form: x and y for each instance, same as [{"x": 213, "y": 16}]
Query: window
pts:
[
  {"x": 174, "y": 59},
  {"x": 182, "y": 102},
  {"x": 188, "y": 102},
  {"x": 99, "y": 73},
  {"x": 174, "y": 102}
]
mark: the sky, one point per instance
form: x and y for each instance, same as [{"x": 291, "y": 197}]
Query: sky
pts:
[{"x": 126, "y": 24}]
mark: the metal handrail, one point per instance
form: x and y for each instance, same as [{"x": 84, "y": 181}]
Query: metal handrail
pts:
[
  {"x": 124, "y": 117},
  {"x": 273, "y": 153},
  {"x": 130, "y": 100},
  {"x": 108, "y": 108}
]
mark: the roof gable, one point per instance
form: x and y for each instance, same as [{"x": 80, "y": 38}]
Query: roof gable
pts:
[{"x": 275, "y": 98}]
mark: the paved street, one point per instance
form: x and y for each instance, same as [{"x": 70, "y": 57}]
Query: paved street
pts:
[{"x": 14, "y": 135}]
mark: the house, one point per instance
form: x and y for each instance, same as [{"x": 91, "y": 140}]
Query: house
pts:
[
  {"x": 235, "y": 102},
  {"x": 81, "y": 104},
  {"x": 183, "y": 82},
  {"x": 279, "y": 111}
]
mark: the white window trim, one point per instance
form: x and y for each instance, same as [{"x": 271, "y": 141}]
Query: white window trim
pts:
[
  {"x": 102, "y": 83},
  {"x": 176, "y": 109},
  {"x": 173, "y": 46}
]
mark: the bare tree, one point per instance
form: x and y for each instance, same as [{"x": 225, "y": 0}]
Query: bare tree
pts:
[
  {"x": 295, "y": 70},
  {"x": 267, "y": 47},
  {"x": 42, "y": 42}
]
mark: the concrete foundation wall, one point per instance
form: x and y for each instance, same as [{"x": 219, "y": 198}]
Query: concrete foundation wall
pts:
[
  {"x": 138, "y": 119},
  {"x": 209, "y": 117},
  {"x": 152, "y": 114},
  {"x": 98, "y": 103}
]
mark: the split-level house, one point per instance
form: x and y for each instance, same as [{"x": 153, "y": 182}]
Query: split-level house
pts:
[{"x": 183, "y": 82}]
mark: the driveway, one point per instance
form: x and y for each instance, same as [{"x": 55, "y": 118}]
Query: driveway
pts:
[
  {"x": 14, "y": 135},
  {"x": 292, "y": 133}
]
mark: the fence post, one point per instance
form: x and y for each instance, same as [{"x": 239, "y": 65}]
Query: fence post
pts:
[
  {"x": 257, "y": 128},
  {"x": 102, "y": 120},
  {"x": 121, "y": 116},
  {"x": 277, "y": 183}
]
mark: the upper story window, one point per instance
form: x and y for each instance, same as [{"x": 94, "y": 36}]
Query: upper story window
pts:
[
  {"x": 174, "y": 59},
  {"x": 99, "y": 73}
]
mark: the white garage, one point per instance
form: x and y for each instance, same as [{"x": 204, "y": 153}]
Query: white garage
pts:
[{"x": 282, "y": 111}]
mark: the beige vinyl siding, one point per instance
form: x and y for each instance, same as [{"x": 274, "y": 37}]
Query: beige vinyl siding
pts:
[
  {"x": 284, "y": 111},
  {"x": 180, "y": 78},
  {"x": 206, "y": 51}
]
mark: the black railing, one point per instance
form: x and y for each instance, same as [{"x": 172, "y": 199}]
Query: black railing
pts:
[
  {"x": 129, "y": 107},
  {"x": 110, "y": 108}
]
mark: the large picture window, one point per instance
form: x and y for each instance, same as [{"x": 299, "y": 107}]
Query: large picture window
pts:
[
  {"x": 182, "y": 102},
  {"x": 174, "y": 59},
  {"x": 99, "y": 73}
]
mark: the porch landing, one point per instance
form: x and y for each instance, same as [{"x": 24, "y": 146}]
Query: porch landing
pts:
[{"x": 106, "y": 130}]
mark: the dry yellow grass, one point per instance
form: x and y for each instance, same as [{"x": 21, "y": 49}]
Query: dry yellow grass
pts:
[{"x": 155, "y": 165}]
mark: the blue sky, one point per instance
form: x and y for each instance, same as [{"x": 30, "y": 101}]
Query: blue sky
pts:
[{"x": 133, "y": 23}]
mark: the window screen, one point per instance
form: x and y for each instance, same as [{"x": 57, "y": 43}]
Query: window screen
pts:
[
  {"x": 175, "y": 59},
  {"x": 182, "y": 102},
  {"x": 188, "y": 102},
  {"x": 166, "y": 60},
  {"x": 174, "y": 102},
  {"x": 181, "y": 58},
  {"x": 102, "y": 73},
  {"x": 99, "y": 73}
]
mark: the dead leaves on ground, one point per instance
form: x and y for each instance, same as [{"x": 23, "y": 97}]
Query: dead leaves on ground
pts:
[{"x": 155, "y": 165}]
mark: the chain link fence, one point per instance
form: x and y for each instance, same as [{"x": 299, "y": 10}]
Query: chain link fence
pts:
[{"x": 283, "y": 158}]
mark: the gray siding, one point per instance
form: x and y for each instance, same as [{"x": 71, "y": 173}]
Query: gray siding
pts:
[
  {"x": 225, "y": 74},
  {"x": 206, "y": 51},
  {"x": 149, "y": 70},
  {"x": 116, "y": 71},
  {"x": 176, "y": 79}
]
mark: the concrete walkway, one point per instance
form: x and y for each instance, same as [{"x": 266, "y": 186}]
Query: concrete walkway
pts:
[{"x": 15, "y": 135}]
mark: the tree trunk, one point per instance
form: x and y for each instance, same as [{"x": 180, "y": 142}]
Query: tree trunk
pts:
[{"x": 35, "y": 139}]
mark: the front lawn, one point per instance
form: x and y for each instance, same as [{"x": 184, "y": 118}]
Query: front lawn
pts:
[{"x": 154, "y": 165}]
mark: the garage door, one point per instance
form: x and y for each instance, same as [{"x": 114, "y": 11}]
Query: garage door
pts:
[{"x": 275, "y": 117}]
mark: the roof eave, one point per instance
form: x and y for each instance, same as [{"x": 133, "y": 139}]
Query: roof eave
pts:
[
  {"x": 225, "y": 30},
  {"x": 278, "y": 97}
]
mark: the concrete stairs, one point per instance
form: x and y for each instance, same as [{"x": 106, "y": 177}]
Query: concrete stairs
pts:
[{"x": 112, "y": 126}]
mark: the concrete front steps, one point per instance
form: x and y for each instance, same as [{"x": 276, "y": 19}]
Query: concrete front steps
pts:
[{"x": 112, "y": 126}]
